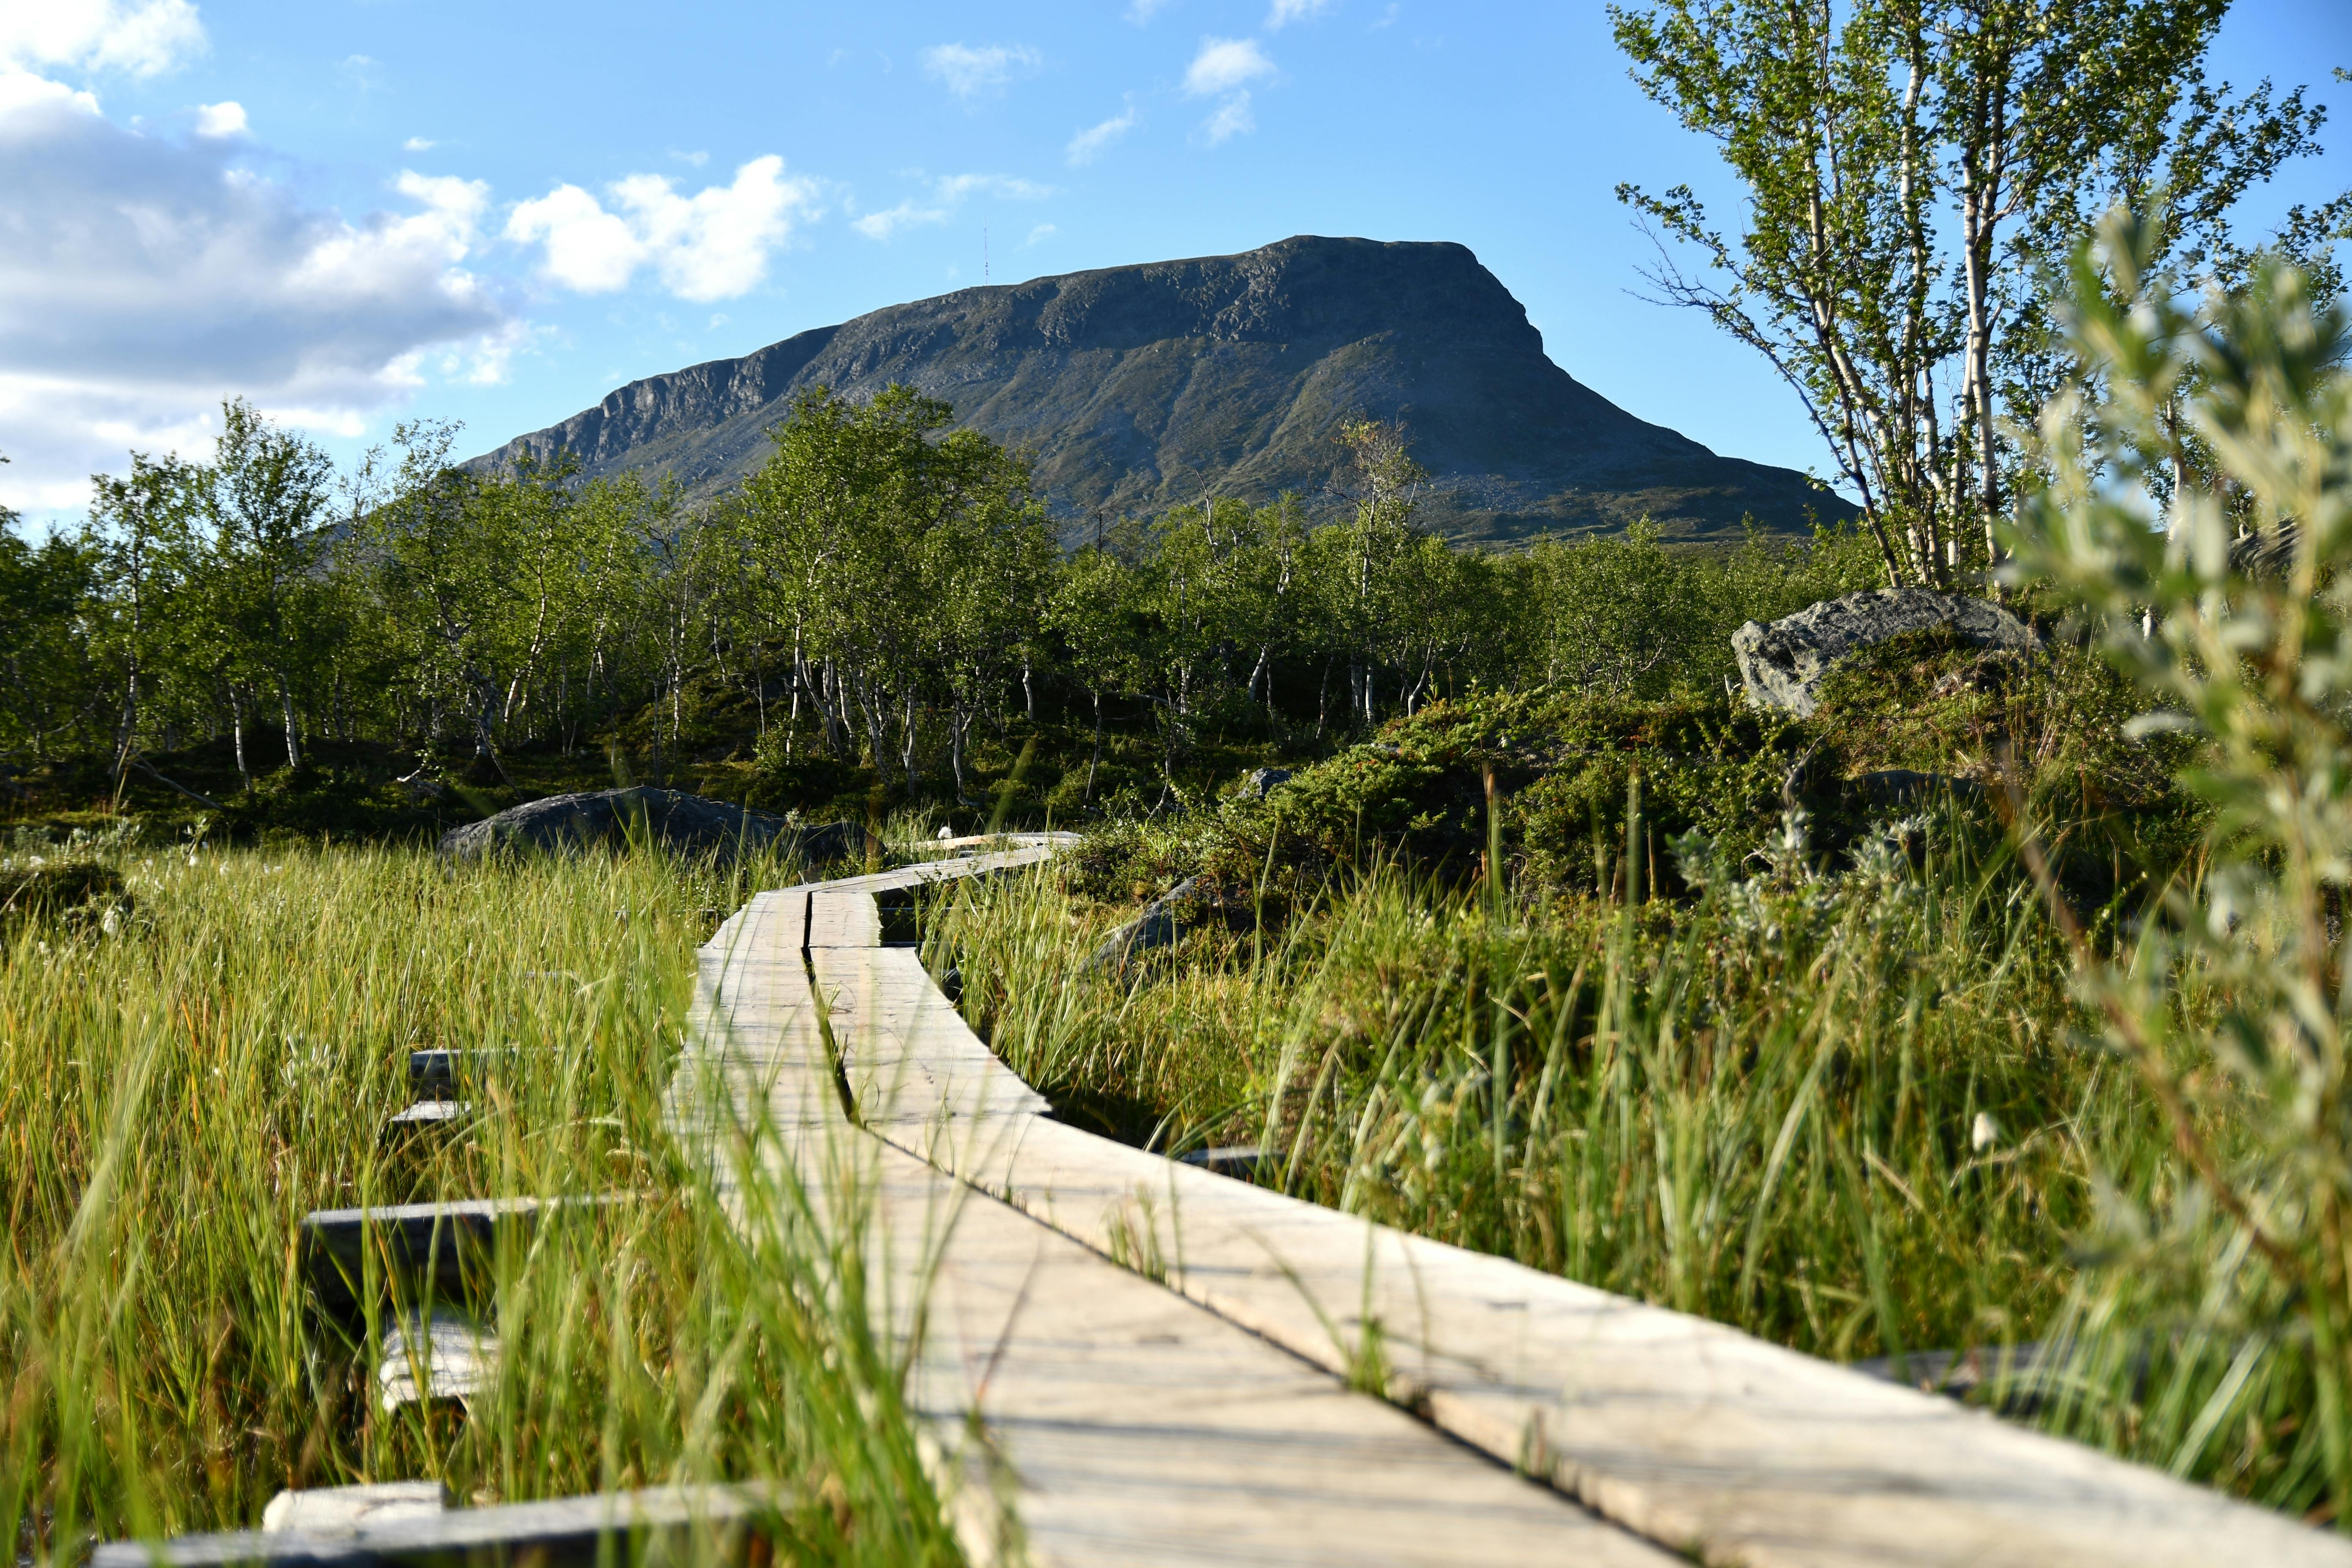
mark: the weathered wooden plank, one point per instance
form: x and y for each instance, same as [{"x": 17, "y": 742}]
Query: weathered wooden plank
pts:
[
  {"x": 1126, "y": 1422},
  {"x": 433, "y": 1353},
  {"x": 426, "y": 1114},
  {"x": 1686, "y": 1431},
  {"x": 445, "y": 1245},
  {"x": 343, "y": 1511},
  {"x": 660, "y": 1523},
  {"x": 1137, "y": 1429},
  {"x": 940, "y": 870},
  {"x": 436, "y": 1074},
  {"x": 439, "y": 1245},
  {"x": 906, "y": 1053},
  {"x": 844, "y": 917},
  {"x": 757, "y": 1059}
]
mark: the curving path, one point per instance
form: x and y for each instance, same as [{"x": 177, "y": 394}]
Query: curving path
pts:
[
  {"x": 1124, "y": 1422},
  {"x": 1684, "y": 1432},
  {"x": 1167, "y": 1367}
]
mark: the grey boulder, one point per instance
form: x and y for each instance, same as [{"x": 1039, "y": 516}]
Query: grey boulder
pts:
[
  {"x": 683, "y": 824},
  {"x": 1781, "y": 665},
  {"x": 1191, "y": 902},
  {"x": 1263, "y": 782}
]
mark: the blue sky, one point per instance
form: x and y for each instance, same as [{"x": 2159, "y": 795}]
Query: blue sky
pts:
[{"x": 357, "y": 211}]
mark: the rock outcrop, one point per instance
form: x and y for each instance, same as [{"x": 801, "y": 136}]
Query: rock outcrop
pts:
[
  {"x": 1137, "y": 388},
  {"x": 1781, "y": 665},
  {"x": 1191, "y": 902},
  {"x": 683, "y": 824},
  {"x": 1263, "y": 782}
]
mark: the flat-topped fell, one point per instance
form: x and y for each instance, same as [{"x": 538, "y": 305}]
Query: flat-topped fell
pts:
[{"x": 1141, "y": 387}]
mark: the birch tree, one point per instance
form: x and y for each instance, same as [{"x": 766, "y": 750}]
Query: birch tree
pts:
[{"x": 1911, "y": 173}]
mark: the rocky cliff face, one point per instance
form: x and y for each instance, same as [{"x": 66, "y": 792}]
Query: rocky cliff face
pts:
[{"x": 1141, "y": 387}]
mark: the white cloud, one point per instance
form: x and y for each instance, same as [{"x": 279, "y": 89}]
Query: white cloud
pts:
[
  {"x": 1042, "y": 232},
  {"x": 1285, "y": 12},
  {"x": 418, "y": 145},
  {"x": 1143, "y": 11},
  {"x": 953, "y": 188},
  {"x": 23, "y": 92},
  {"x": 969, "y": 72},
  {"x": 1092, "y": 142},
  {"x": 220, "y": 119},
  {"x": 1227, "y": 66},
  {"x": 713, "y": 245},
  {"x": 947, "y": 192},
  {"x": 140, "y": 37},
  {"x": 906, "y": 214},
  {"x": 1232, "y": 119},
  {"x": 1224, "y": 63},
  {"x": 587, "y": 249},
  {"x": 144, "y": 280},
  {"x": 695, "y": 160}
]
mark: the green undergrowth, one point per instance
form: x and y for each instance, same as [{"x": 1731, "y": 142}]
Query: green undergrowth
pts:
[
  {"x": 1035, "y": 771},
  {"x": 1754, "y": 1016},
  {"x": 182, "y": 1081},
  {"x": 1846, "y": 1110},
  {"x": 1985, "y": 734}
]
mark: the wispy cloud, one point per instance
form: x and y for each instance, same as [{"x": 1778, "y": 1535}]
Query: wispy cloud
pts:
[
  {"x": 969, "y": 72},
  {"x": 1095, "y": 140},
  {"x": 891, "y": 221},
  {"x": 954, "y": 188},
  {"x": 1227, "y": 67},
  {"x": 1224, "y": 63},
  {"x": 418, "y": 145},
  {"x": 1285, "y": 12},
  {"x": 947, "y": 192},
  {"x": 1042, "y": 232},
  {"x": 1232, "y": 119},
  {"x": 1143, "y": 11}
]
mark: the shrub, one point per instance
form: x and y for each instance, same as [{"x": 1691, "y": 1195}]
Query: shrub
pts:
[{"x": 2231, "y": 610}]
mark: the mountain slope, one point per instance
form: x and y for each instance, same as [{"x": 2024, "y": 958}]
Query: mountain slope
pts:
[{"x": 1141, "y": 387}]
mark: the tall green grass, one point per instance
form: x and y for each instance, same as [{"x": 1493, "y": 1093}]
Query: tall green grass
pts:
[
  {"x": 181, "y": 1079},
  {"x": 1848, "y": 1112}
]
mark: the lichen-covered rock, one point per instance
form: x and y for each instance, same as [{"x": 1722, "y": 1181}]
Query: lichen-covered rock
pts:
[
  {"x": 1263, "y": 782},
  {"x": 1781, "y": 665},
  {"x": 684, "y": 823},
  {"x": 1191, "y": 902}
]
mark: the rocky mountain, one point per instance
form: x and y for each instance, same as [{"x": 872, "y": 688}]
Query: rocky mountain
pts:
[{"x": 1141, "y": 387}]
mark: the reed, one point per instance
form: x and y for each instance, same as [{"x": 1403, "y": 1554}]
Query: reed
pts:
[
  {"x": 184, "y": 1074},
  {"x": 1851, "y": 1110}
]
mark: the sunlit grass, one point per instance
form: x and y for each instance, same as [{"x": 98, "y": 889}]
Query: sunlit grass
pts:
[
  {"x": 183, "y": 1079},
  {"x": 1850, "y": 1113}
]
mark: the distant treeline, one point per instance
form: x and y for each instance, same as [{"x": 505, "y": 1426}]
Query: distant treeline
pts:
[{"x": 879, "y": 584}]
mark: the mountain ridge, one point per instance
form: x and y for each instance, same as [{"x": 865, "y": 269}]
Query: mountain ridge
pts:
[{"x": 1143, "y": 386}]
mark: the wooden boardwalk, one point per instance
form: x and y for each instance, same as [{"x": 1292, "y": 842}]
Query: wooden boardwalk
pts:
[
  {"x": 1685, "y": 1432},
  {"x": 1124, "y": 1359},
  {"x": 1124, "y": 1422}
]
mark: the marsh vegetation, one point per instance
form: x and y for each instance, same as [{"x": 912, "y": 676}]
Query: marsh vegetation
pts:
[{"x": 205, "y": 1052}]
